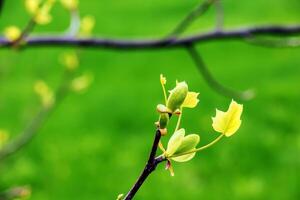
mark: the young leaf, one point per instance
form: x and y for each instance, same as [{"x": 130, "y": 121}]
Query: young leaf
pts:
[
  {"x": 184, "y": 158},
  {"x": 177, "y": 96},
  {"x": 191, "y": 100},
  {"x": 228, "y": 122},
  {"x": 174, "y": 142},
  {"x": 189, "y": 143}
]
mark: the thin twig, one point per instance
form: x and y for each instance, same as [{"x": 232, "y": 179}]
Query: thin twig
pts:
[
  {"x": 274, "y": 43},
  {"x": 149, "y": 168},
  {"x": 123, "y": 44},
  {"x": 212, "y": 82},
  {"x": 26, "y": 31},
  {"x": 190, "y": 18},
  {"x": 219, "y": 15}
]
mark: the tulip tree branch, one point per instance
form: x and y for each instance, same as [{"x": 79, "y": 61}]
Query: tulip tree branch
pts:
[
  {"x": 149, "y": 168},
  {"x": 274, "y": 43},
  {"x": 190, "y": 18},
  {"x": 26, "y": 31},
  {"x": 219, "y": 15},
  {"x": 164, "y": 43},
  {"x": 212, "y": 82}
]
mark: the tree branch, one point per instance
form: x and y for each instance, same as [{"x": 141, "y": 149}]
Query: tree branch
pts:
[
  {"x": 219, "y": 15},
  {"x": 120, "y": 44},
  {"x": 190, "y": 18},
  {"x": 212, "y": 82},
  {"x": 149, "y": 168}
]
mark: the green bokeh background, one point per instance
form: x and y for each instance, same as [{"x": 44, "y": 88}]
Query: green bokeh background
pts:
[{"x": 95, "y": 144}]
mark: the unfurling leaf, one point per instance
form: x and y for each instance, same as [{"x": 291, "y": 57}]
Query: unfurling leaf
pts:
[
  {"x": 12, "y": 33},
  {"x": 177, "y": 96},
  {"x": 188, "y": 144},
  {"x": 191, "y": 100},
  {"x": 228, "y": 122},
  {"x": 174, "y": 142},
  {"x": 180, "y": 144}
]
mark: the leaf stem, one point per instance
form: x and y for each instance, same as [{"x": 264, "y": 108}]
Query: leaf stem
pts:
[
  {"x": 165, "y": 93},
  {"x": 200, "y": 148},
  {"x": 179, "y": 120}
]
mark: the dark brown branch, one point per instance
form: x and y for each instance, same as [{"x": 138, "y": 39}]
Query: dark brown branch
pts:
[
  {"x": 120, "y": 44},
  {"x": 212, "y": 82},
  {"x": 149, "y": 168}
]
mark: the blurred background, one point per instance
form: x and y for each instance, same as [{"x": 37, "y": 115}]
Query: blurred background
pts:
[{"x": 95, "y": 144}]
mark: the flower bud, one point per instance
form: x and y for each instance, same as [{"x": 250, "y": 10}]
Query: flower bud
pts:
[
  {"x": 177, "y": 96},
  {"x": 163, "y": 120}
]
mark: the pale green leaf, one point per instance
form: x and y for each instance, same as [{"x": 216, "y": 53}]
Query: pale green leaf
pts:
[
  {"x": 191, "y": 100},
  {"x": 228, "y": 122},
  {"x": 189, "y": 142},
  {"x": 174, "y": 142},
  {"x": 184, "y": 158}
]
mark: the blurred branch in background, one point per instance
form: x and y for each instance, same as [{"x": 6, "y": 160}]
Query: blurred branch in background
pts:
[
  {"x": 123, "y": 44},
  {"x": 274, "y": 42},
  {"x": 190, "y": 18},
  {"x": 50, "y": 100},
  {"x": 1, "y": 5},
  {"x": 212, "y": 82},
  {"x": 219, "y": 15},
  {"x": 73, "y": 37}
]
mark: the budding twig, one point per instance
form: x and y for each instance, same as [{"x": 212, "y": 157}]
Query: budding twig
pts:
[{"x": 149, "y": 168}]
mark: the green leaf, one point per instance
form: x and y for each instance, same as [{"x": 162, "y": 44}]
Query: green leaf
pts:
[
  {"x": 174, "y": 142},
  {"x": 191, "y": 100},
  {"x": 184, "y": 158},
  {"x": 177, "y": 96},
  {"x": 228, "y": 122},
  {"x": 188, "y": 143}
]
